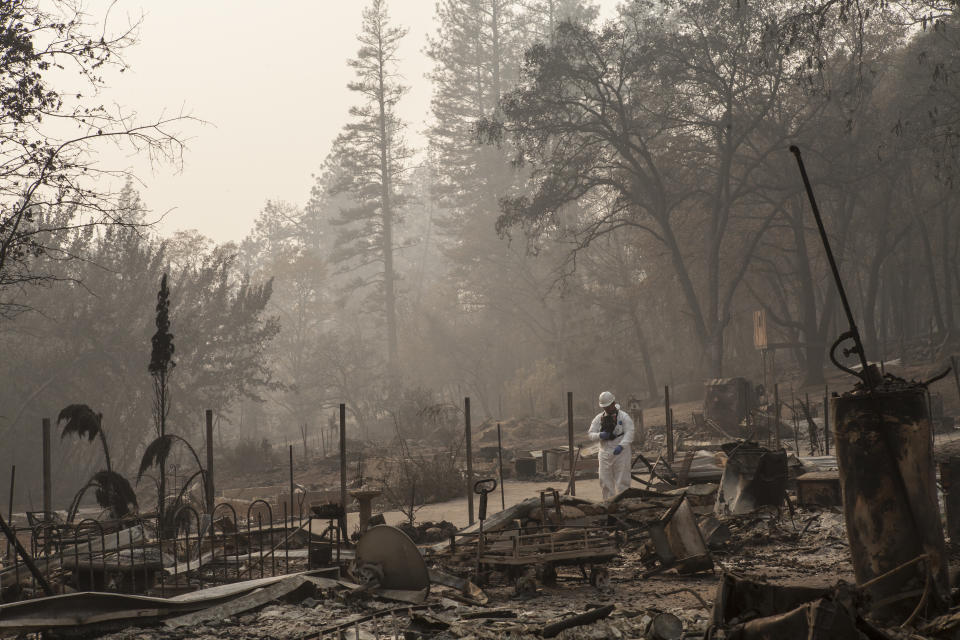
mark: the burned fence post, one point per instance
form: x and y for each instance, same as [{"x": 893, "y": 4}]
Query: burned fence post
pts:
[
  {"x": 209, "y": 484},
  {"x": 503, "y": 501},
  {"x": 292, "y": 499},
  {"x": 776, "y": 415},
  {"x": 466, "y": 417},
  {"x": 47, "y": 497},
  {"x": 570, "y": 454},
  {"x": 668, "y": 422},
  {"x": 13, "y": 483},
  {"x": 826, "y": 420},
  {"x": 884, "y": 450},
  {"x": 815, "y": 447},
  {"x": 343, "y": 471}
]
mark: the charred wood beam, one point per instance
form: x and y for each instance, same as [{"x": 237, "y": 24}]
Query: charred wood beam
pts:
[{"x": 589, "y": 617}]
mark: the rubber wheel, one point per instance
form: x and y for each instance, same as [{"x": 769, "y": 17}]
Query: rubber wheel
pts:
[{"x": 599, "y": 577}]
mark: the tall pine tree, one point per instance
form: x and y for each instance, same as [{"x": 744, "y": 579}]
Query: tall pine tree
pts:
[{"x": 367, "y": 165}]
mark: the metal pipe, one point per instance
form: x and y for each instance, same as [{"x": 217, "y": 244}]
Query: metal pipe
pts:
[
  {"x": 47, "y": 498},
  {"x": 826, "y": 420},
  {"x": 13, "y": 483},
  {"x": 668, "y": 419},
  {"x": 343, "y": 470},
  {"x": 573, "y": 469},
  {"x": 853, "y": 332},
  {"x": 466, "y": 414},
  {"x": 209, "y": 484},
  {"x": 776, "y": 420},
  {"x": 292, "y": 510},
  {"x": 503, "y": 502}
]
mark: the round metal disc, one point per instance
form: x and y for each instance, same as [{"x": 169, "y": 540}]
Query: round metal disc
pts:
[{"x": 399, "y": 559}]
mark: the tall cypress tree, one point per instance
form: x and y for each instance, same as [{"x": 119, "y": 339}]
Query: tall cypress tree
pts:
[{"x": 161, "y": 365}]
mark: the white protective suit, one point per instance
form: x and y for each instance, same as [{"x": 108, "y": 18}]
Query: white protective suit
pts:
[{"x": 614, "y": 469}]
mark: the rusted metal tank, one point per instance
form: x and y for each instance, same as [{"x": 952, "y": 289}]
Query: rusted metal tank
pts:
[{"x": 887, "y": 476}]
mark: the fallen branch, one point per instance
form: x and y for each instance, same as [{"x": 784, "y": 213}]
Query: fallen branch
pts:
[{"x": 554, "y": 628}]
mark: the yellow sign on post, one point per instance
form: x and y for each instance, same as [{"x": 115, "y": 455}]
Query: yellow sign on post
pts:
[{"x": 760, "y": 329}]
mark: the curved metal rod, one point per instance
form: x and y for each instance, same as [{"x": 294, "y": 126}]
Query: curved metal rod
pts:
[
  {"x": 86, "y": 522},
  {"x": 45, "y": 530},
  {"x": 236, "y": 518},
  {"x": 853, "y": 332},
  {"x": 263, "y": 502},
  {"x": 833, "y": 358},
  {"x": 481, "y": 486},
  {"x": 937, "y": 377}
]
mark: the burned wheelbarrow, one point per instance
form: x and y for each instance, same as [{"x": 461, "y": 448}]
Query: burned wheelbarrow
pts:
[{"x": 526, "y": 557}]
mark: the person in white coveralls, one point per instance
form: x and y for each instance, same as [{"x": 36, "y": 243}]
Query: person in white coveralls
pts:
[{"x": 614, "y": 429}]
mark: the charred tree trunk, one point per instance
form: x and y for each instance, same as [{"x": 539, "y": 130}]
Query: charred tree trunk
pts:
[
  {"x": 389, "y": 277},
  {"x": 945, "y": 240},
  {"x": 814, "y": 347},
  {"x": 648, "y": 373}
]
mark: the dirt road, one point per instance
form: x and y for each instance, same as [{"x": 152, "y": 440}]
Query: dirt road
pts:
[{"x": 455, "y": 511}]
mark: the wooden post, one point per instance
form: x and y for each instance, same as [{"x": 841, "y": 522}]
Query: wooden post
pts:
[
  {"x": 573, "y": 464},
  {"x": 343, "y": 469},
  {"x": 466, "y": 414},
  {"x": 668, "y": 419},
  {"x": 763, "y": 370},
  {"x": 826, "y": 420},
  {"x": 47, "y": 498},
  {"x": 209, "y": 484},
  {"x": 503, "y": 501},
  {"x": 640, "y": 430},
  {"x": 13, "y": 483},
  {"x": 292, "y": 501},
  {"x": 776, "y": 420}
]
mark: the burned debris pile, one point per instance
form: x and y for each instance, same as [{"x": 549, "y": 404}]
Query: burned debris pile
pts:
[{"x": 716, "y": 539}]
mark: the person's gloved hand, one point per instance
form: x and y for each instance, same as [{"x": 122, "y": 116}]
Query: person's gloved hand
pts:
[
  {"x": 617, "y": 451},
  {"x": 604, "y": 435}
]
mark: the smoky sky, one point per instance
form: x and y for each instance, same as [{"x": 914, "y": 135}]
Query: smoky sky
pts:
[{"x": 268, "y": 80}]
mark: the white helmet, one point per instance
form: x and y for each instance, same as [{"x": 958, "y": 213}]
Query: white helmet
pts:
[{"x": 606, "y": 399}]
